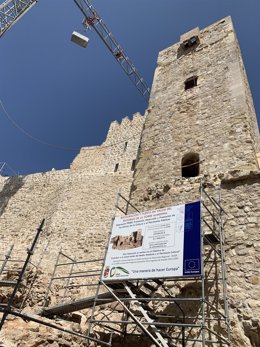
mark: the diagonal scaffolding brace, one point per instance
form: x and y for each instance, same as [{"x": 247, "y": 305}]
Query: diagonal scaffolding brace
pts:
[{"x": 145, "y": 330}]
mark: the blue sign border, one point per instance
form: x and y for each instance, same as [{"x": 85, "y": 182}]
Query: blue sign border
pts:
[{"x": 192, "y": 240}]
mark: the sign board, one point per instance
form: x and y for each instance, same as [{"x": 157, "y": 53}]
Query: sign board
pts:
[{"x": 155, "y": 244}]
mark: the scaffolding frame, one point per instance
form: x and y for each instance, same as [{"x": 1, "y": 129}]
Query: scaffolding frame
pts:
[
  {"x": 11, "y": 265},
  {"x": 9, "y": 309},
  {"x": 208, "y": 325},
  {"x": 66, "y": 280}
]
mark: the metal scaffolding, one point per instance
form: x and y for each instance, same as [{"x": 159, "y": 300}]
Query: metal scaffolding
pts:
[
  {"x": 179, "y": 311},
  {"x": 69, "y": 274},
  {"x": 16, "y": 284},
  {"x": 172, "y": 311},
  {"x": 19, "y": 268}
]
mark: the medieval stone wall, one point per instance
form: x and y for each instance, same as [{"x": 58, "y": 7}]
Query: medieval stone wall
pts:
[
  {"x": 241, "y": 199},
  {"x": 120, "y": 148},
  {"x": 240, "y": 193},
  {"x": 215, "y": 119},
  {"x": 78, "y": 204}
]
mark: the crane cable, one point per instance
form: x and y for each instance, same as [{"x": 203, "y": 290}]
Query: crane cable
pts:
[{"x": 32, "y": 137}]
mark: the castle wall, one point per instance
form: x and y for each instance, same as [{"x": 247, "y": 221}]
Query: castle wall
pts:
[
  {"x": 120, "y": 147},
  {"x": 240, "y": 193},
  {"x": 215, "y": 119},
  {"x": 78, "y": 204},
  {"x": 242, "y": 225},
  {"x": 251, "y": 116}
]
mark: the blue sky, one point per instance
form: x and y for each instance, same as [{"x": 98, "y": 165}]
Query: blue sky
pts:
[{"x": 67, "y": 95}]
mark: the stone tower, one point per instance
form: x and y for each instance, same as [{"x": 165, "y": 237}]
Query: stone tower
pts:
[
  {"x": 201, "y": 105},
  {"x": 201, "y": 123},
  {"x": 200, "y": 126}
]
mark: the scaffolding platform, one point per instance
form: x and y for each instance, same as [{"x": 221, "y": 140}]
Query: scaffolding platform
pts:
[
  {"x": 78, "y": 305},
  {"x": 170, "y": 311},
  {"x": 103, "y": 298},
  {"x": 7, "y": 283}
]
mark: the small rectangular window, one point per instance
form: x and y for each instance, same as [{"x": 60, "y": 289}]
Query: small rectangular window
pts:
[
  {"x": 191, "y": 82},
  {"x": 133, "y": 165},
  {"x": 192, "y": 41},
  {"x": 125, "y": 147},
  {"x": 116, "y": 167}
]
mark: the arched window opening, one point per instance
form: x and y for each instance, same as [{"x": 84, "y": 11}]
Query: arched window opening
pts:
[
  {"x": 190, "y": 166},
  {"x": 125, "y": 146}
]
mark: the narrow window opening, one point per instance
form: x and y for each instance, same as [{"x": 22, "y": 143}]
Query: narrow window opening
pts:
[
  {"x": 133, "y": 165},
  {"x": 116, "y": 167},
  {"x": 191, "y": 82},
  {"x": 125, "y": 147},
  {"x": 193, "y": 40},
  {"x": 190, "y": 166}
]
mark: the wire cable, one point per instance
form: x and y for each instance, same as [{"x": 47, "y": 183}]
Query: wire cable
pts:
[
  {"x": 18, "y": 127},
  {"x": 32, "y": 137},
  {"x": 8, "y": 166}
]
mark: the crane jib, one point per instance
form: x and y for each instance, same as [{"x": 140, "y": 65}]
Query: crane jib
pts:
[{"x": 12, "y": 10}]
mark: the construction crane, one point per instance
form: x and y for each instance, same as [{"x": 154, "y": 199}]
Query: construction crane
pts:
[{"x": 12, "y": 10}]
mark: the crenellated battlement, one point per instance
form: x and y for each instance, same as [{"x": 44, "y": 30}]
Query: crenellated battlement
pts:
[
  {"x": 117, "y": 153},
  {"x": 124, "y": 128}
]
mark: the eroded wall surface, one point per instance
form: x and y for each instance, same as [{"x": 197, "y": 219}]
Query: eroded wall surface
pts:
[
  {"x": 215, "y": 119},
  {"x": 78, "y": 204}
]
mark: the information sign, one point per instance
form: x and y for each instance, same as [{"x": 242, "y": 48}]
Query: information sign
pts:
[{"x": 155, "y": 244}]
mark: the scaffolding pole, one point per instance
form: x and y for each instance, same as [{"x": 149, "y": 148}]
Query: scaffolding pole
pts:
[
  {"x": 203, "y": 323},
  {"x": 21, "y": 274},
  {"x": 103, "y": 264},
  {"x": 7, "y": 257},
  {"x": 54, "y": 326}
]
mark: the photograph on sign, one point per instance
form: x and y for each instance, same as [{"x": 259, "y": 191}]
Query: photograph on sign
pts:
[{"x": 155, "y": 244}]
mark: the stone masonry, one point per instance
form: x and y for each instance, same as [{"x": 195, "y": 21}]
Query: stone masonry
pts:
[
  {"x": 216, "y": 121},
  {"x": 78, "y": 204},
  {"x": 201, "y": 113}
]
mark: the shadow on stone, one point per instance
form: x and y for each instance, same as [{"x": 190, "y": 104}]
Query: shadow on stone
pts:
[{"x": 10, "y": 188}]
